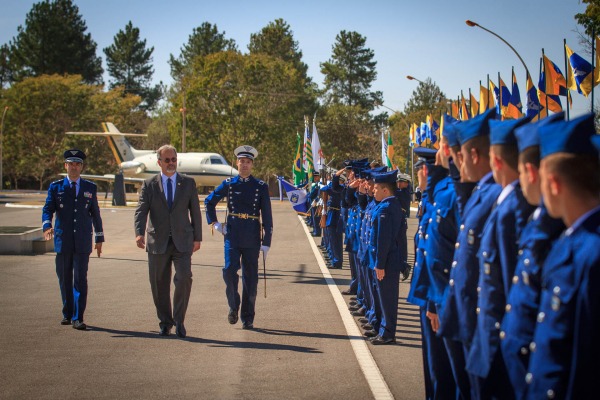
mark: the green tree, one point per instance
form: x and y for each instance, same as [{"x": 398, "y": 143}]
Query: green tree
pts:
[
  {"x": 427, "y": 97},
  {"x": 205, "y": 39},
  {"x": 130, "y": 64},
  {"x": 6, "y": 70},
  {"x": 590, "y": 18},
  {"x": 277, "y": 40},
  {"x": 234, "y": 99},
  {"x": 43, "y": 108},
  {"x": 350, "y": 72},
  {"x": 54, "y": 41}
]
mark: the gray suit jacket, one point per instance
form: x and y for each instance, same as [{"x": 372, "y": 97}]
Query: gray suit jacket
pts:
[{"x": 183, "y": 222}]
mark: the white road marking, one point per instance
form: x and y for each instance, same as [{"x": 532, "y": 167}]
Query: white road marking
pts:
[{"x": 369, "y": 367}]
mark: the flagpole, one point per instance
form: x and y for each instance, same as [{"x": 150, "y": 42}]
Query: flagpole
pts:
[
  {"x": 545, "y": 80},
  {"x": 500, "y": 97},
  {"x": 567, "y": 77},
  {"x": 593, "y": 66},
  {"x": 488, "y": 92}
]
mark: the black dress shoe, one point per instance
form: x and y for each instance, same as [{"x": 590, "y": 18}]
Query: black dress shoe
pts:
[
  {"x": 80, "y": 326},
  {"x": 367, "y": 327},
  {"x": 363, "y": 320},
  {"x": 359, "y": 313},
  {"x": 247, "y": 325},
  {"x": 354, "y": 308},
  {"x": 165, "y": 331},
  {"x": 334, "y": 267},
  {"x": 348, "y": 292},
  {"x": 405, "y": 274},
  {"x": 180, "y": 330},
  {"x": 370, "y": 333},
  {"x": 353, "y": 298},
  {"x": 232, "y": 317},
  {"x": 377, "y": 340},
  {"x": 65, "y": 321}
]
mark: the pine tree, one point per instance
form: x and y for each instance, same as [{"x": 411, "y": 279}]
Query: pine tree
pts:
[
  {"x": 350, "y": 72},
  {"x": 54, "y": 41},
  {"x": 130, "y": 65},
  {"x": 204, "y": 40}
]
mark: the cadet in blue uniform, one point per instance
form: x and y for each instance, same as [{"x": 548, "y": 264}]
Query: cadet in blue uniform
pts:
[
  {"x": 248, "y": 202},
  {"x": 384, "y": 253},
  {"x": 497, "y": 260},
  {"x": 331, "y": 219},
  {"x": 458, "y": 315},
  {"x": 536, "y": 240},
  {"x": 75, "y": 203},
  {"x": 565, "y": 349},
  {"x": 312, "y": 198}
]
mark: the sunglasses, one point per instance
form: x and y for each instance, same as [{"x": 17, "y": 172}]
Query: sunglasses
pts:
[{"x": 169, "y": 160}]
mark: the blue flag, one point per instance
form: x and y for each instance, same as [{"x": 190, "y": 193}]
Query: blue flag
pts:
[{"x": 296, "y": 196}]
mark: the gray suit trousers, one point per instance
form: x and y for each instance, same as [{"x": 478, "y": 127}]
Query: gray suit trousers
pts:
[{"x": 160, "y": 283}]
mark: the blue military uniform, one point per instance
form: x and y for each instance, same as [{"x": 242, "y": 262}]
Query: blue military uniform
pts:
[
  {"x": 523, "y": 298},
  {"x": 334, "y": 226},
  {"x": 565, "y": 349},
  {"x": 77, "y": 216},
  {"x": 312, "y": 198},
  {"x": 497, "y": 260},
  {"x": 248, "y": 202}
]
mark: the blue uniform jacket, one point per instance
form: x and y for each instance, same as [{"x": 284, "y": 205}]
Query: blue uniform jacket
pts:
[
  {"x": 403, "y": 196},
  {"x": 419, "y": 285},
  {"x": 365, "y": 231},
  {"x": 564, "y": 361},
  {"x": 458, "y": 315},
  {"x": 441, "y": 232},
  {"x": 245, "y": 196},
  {"x": 75, "y": 217},
  {"x": 497, "y": 261},
  {"x": 384, "y": 239}
]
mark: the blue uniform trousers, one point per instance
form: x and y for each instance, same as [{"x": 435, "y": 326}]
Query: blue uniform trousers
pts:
[
  {"x": 441, "y": 383},
  {"x": 71, "y": 270},
  {"x": 386, "y": 291},
  {"x": 247, "y": 259},
  {"x": 456, "y": 356},
  {"x": 336, "y": 242},
  {"x": 353, "y": 272},
  {"x": 497, "y": 384},
  {"x": 316, "y": 219},
  {"x": 360, "y": 285}
]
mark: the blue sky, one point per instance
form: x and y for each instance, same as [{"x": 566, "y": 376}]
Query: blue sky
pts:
[{"x": 423, "y": 38}]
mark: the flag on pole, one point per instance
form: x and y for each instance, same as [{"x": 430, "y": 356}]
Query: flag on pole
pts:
[
  {"x": 308, "y": 153},
  {"x": 454, "y": 110},
  {"x": 514, "y": 109},
  {"x": 504, "y": 94},
  {"x": 383, "y": 149},
  {"x": 433, "y": 128},
  {"x": 556, "y": 83},
  {"x": 474, "y": 105},
  {"x": 579, "y": 73},
  {"x": 464, "y": 111},
  {"x": 298, "y": 168},
  {"x": 533, "y": 103},
  {"x": 412, "y": 133},
  {"x": 318, "y": 157},
  {"x": 390, "y": 150},
  {"x": 548, "y": 102},
  {"x": 297, "y": 197}
]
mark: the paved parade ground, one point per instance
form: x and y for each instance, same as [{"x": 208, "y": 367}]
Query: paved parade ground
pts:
[{"x": 305, "y": 344}]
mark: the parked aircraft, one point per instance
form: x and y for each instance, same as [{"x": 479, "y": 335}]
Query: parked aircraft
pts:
[{"x": 207, "y": 169}]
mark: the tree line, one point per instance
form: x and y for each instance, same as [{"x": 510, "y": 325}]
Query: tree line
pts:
[{"x": 51, "y": 80}]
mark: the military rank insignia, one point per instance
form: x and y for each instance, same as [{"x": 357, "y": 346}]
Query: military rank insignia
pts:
[{"x": 87, "y": 195}]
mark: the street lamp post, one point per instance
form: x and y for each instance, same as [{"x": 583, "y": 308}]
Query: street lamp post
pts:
[
  {"x": 1, "y": 141},
  {"x": 472, "y": 23},
  {"x": 412, "y": 78}
]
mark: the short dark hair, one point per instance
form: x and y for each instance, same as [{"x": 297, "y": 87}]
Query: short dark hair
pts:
[
  {"x": 479, "y": 143},
  {"x": 581, "y": 171},
  {"x": 508, "y": 153},
  {"x": 530, "y": 155},
  {"x": 391, "y": 186}
]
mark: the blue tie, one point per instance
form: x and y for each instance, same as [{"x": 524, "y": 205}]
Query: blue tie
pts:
[
  {"x": 169, "y": 193},
  {"x": 74, "y": 188}
]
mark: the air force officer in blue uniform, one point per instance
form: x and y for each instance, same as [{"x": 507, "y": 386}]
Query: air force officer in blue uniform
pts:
[
  {"x": 75, "y": 204},
  {"x": 245, "y": 237}
]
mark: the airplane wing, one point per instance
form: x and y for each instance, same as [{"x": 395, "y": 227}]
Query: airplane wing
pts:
[{"x": 110, "y": 178}]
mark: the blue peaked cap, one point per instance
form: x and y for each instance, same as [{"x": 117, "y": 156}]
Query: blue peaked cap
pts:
[
  {"x": 425, "y": 155},
  {"x": 450, "y": 130},
  {"x": 386, "y": 177},
  {"x": 528, "y": 135},
  {"x": 503, "y": 132},
  {"x": 478, "y": 126},
  {"x": 572, "y": 137}
]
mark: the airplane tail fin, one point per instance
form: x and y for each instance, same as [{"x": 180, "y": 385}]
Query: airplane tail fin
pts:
[{"x": 117, "y": 141}]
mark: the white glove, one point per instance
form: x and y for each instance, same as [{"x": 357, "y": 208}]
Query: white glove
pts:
[
  {"x": 265, "y": 250},
  {"x": 221, "y": 228}
]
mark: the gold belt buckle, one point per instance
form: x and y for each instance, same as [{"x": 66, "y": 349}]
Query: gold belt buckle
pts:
[{"x": 244, "y": 216}]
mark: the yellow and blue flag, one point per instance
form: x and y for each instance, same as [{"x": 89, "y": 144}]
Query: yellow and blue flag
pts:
[
  {"x": 514, "y": 109},
  {"x": 486, "y": 100},
  {"x": 297, "y": 197},
  {"x": 579, "y": 73},
  {"x": 547, "y": 101},
  {"x": 533, "y": 103},
  {"x": 474, "y": 105},
  {"x": 555, "y": 83}
]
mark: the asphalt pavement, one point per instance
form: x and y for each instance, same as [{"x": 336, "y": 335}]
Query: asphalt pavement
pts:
[{"x": 299, "y": 349}]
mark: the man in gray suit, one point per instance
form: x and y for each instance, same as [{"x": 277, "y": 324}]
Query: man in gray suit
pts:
[{"x": 174, "y": 233}]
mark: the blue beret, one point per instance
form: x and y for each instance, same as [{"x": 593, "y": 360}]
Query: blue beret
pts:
[
  {"x": 572, "y": 137},
  {"x": 478, "y": 126},
  {"x": 503, "y": 132},
  {"x": 386, "y": 177},
  {"x": 74, "y": 155},
  {"x": 528, "y": 135},
  {"x": 451, "y": 130}
]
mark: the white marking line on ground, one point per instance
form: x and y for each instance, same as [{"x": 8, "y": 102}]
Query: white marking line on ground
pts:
[{"x": 369, "y": 367}]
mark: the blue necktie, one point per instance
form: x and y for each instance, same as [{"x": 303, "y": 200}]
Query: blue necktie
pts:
[
  {"x": 169, "y": 193},
  {"x": 74, "y": 188}
]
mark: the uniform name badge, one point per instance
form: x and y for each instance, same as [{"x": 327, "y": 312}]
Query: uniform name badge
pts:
[{"x": 87, "y": 195}]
